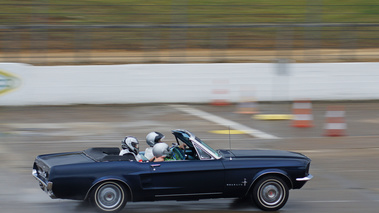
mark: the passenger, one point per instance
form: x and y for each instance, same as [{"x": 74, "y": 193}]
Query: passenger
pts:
[
  {"x": 151, "y": 139},
  {"x": 130, "y": 148},
  {"x": 161, "y": 152}
]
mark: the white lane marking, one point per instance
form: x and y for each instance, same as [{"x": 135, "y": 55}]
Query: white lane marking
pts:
[{"x": 224, "y": 122}]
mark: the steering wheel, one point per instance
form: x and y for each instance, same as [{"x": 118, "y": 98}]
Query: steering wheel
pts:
[{"x": 174, "y": 145}]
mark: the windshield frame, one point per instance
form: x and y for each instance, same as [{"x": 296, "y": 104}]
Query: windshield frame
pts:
[
  {"x": 209, "y": 150},
  {"x": 196, "y": 143}
]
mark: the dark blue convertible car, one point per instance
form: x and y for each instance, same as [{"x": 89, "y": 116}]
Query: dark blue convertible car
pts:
[{"x": 108, "y": 181}]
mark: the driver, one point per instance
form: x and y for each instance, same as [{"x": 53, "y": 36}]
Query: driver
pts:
[{"x": 130, "y": 148}]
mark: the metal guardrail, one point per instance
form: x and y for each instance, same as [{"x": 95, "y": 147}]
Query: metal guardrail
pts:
[{"x": 179, "y": 37}]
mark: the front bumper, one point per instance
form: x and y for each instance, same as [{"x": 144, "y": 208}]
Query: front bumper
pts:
[
  {"x": 46, "y": 187},
  {"x": 309, "y": 177},
  {"x": 300, "y": 182}
]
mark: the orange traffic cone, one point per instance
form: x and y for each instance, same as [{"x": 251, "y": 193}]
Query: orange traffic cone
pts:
[
  {"x": 302, "y": 114},
  {"x": 247, "y": 107},
  {"x": 335, "y": 121}
]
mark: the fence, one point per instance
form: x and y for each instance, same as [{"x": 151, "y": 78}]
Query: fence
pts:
[{"x": 184, "y": 31}]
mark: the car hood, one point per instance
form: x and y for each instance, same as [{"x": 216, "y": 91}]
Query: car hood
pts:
[{"x": 262, "y": 154}]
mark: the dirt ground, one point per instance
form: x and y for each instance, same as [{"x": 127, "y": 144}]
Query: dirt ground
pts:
[{"x": 51, "y": 57}]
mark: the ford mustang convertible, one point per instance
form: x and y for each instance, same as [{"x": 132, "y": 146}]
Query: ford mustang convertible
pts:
[{"x": 108, "y": 181}]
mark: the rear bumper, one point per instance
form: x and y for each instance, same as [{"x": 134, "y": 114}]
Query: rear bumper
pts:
[
  {"x": 309, "y": 177},
  {"x": 46, "y": 187}
]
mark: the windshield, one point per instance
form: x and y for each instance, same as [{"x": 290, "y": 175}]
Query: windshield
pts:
[{"x": 208, "y": 147}]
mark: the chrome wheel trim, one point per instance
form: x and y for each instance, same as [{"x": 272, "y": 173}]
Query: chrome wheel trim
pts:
[
  {"x": 271, "y": 193},
  {"x": 109, "y": 196}
]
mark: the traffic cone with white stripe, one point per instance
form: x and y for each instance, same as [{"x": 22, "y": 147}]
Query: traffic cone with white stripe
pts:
[
  {"x": 247, "y": 107},
  {"x": 335, "y": 121},
  {"x": 302, "y": 114},
  {"x": 248, "y": 103}
]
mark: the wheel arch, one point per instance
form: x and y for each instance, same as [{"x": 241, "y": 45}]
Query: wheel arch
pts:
[
  {"x": 126, "y": 186},
  {"x": 265, "y": 173}
]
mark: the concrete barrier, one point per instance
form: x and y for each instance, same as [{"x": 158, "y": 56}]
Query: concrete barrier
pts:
[{"x": 22, "y": 84}]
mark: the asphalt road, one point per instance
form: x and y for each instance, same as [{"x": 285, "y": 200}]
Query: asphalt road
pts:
[{"x": 345, "y": 169}]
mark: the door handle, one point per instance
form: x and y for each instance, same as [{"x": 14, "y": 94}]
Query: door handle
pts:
[{"x": 154, "y": 166}]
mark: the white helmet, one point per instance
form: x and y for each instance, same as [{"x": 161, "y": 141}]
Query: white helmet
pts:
[
  {"x": 161, "y": 150},
  {"x": 131, "y": 143},
  {"x": 153, "y": 137}
]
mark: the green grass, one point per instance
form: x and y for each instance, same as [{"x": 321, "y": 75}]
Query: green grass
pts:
[
  {"x": 190, "y": 11},
  {"x": 230, "y": 12}
]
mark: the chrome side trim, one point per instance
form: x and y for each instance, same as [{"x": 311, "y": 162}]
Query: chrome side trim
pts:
[
  {"x": 173, "y": 195},
  {"x": 309, "y": 177}
]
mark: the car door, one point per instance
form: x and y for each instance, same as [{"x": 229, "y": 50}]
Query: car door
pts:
[{"x": 187, "y": 178}]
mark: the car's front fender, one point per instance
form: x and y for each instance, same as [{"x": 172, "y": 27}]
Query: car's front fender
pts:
[{"x": 278, "y": 172}]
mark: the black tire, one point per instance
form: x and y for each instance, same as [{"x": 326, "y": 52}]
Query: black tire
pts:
[
  {"x": 270, "y": 193},
  {"x": 109, "y": 196}
]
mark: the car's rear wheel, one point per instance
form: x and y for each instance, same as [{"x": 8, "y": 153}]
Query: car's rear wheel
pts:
[
  {"x": 109, "y": 196},
  {"x": 270, "y": 193}
]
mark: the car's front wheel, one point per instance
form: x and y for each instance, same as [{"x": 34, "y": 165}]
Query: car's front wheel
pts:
[
  {"x": 109, "y": 196},
  {"x": 270, "y": 193}
]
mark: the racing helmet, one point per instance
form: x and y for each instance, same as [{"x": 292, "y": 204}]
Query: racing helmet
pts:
[
  {"x": 131, "y": 143},
  {"x": 161, "y": 150},
  {"x": 153, "y": 137}
]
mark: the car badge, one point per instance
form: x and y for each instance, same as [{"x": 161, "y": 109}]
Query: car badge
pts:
[
  {"x": 243, "y": 183},
  {"x": 8, "y": 82}
]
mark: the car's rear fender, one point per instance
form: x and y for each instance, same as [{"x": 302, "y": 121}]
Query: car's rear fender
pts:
[
  {"x": 276, "y": 172},
  {"x": 115, "y": 179}
]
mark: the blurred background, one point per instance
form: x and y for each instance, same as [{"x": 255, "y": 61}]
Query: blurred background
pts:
[{"x": 52, "y": 32}]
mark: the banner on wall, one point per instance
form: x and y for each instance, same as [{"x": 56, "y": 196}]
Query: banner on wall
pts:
[{"x": 8, "y": 82}]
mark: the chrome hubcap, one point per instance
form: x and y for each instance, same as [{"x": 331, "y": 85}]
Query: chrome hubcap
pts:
[
  {"x": 109, "y": 196},
  {"x": 271, "y": 193}
]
